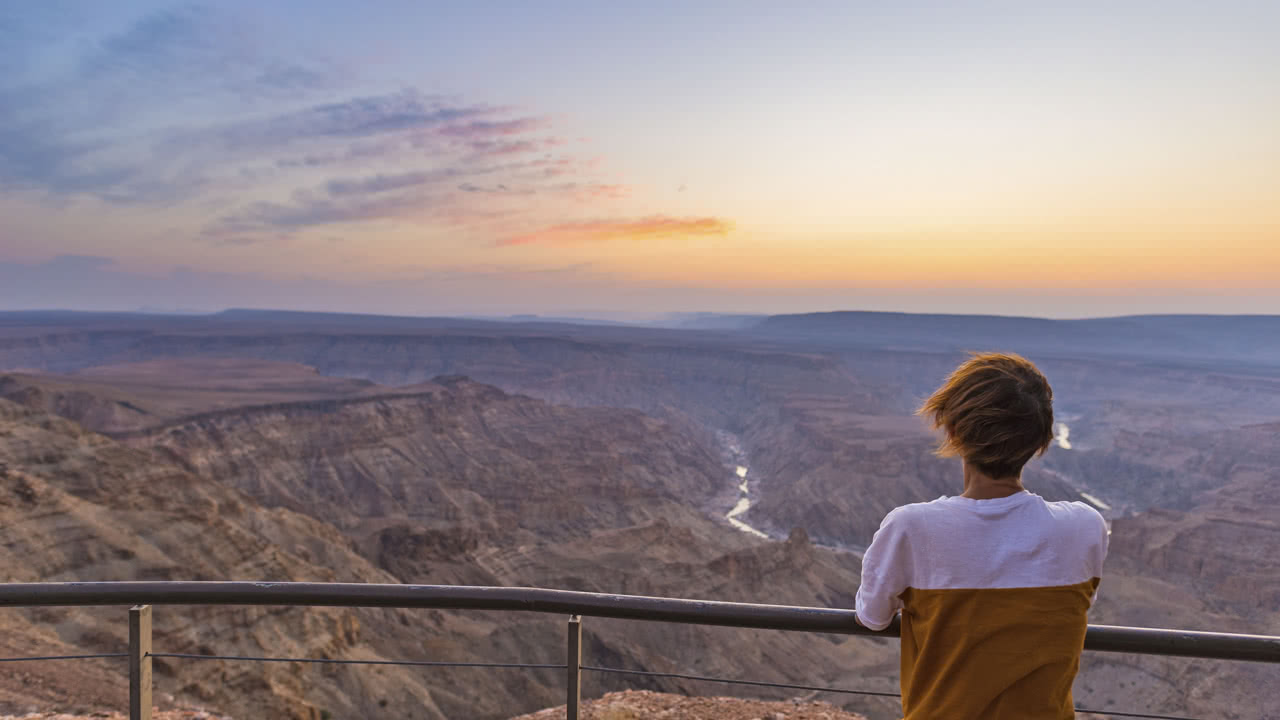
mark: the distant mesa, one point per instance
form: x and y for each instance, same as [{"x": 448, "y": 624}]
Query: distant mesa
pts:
[{"x": 1252, "y": 338}]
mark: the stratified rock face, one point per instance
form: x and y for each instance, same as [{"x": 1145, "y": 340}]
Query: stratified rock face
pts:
[
  {"x": 83, "y": 506},
  {"x": 715, "y": 384},
  {"x": 642, "y": 705},
  {"x": 458, "y": 482},
  {"x": 1225, "y": 547},
  {"x": 78, "y": 506},
  {"x": 458, "y": 453},
  {"x": 117, "y": 398},
  {"x": 85, "y": 407},
  {"x": 1213, "y": 567}
]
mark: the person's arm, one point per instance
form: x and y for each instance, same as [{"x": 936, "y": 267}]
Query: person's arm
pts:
[
  {"x": 1098, "y": 555},
  {"x": 886, "y": 572}
]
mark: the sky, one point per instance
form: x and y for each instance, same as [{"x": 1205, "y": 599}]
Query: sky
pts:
[{"x": 1050, "y": 158}]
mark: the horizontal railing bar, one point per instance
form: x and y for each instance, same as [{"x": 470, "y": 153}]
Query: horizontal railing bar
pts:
[
  {"x": 340, "y": 661},
  {"x": 92, "y": 656},
  {"x": 1183, "y": 643},
  {"x": 1146, "y": 716},
  {"x": 1152, "y": 641},
  {"x": 458, "y": 597}
]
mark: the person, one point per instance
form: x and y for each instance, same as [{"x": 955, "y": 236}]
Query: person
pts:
[{"x": 993, "y": 584}]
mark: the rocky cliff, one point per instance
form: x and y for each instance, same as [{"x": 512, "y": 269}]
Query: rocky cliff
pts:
[
  {"x": 79, "y": 506},
  {"x": 450, "y": 453},
  {"x": 84, "y": 506},
  {"x": 1212, "y": 566}
]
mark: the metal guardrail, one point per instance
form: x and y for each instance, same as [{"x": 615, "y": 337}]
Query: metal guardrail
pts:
[{"x": 1103, "y": 638}]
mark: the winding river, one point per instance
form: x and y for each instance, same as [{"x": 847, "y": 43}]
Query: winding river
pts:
[
  {"x": 743, "y": 504},
  {"x": 736, "y": 458}
]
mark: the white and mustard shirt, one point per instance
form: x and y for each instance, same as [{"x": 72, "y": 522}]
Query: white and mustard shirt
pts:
[{"x": 994, "y": 596}]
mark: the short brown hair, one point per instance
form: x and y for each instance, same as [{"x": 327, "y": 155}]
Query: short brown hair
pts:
[{"x": 997, "y": 410}]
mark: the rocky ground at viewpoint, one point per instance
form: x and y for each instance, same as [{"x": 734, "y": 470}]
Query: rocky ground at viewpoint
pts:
[
  {"x": 648, "y": 705},
  {"x": 156, "y": 715}
]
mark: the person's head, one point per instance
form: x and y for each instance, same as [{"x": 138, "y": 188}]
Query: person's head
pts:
[{"x": 997, "y": 412}]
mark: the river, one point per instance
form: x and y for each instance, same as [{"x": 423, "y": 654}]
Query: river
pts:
[
  {"x": 1062, "y": 435},
  {"x": 746, "y": 485},
  {"x": 1062, "y": 438},
  {"x": 743, "y": 504},
  {"x": 734, "y": 455}
]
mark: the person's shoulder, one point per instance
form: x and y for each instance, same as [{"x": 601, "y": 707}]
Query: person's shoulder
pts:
[
  {"x": 1077, "y": 509},
  {"x": 1079, "y": 514},
  {"x": 914, "y": 512}
]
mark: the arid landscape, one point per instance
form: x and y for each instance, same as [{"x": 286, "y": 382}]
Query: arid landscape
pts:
[
  {"x": 290, "y": 446},
  {"x": 623, "y": 297}
]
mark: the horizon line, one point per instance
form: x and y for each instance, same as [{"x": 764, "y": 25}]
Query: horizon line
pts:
[{"x": 609, "y": 316}]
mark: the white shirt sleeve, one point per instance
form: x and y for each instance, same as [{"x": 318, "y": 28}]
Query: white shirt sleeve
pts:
[
  {"x": 886, "y": 572},
  {"x": 1098, "y": 553}
]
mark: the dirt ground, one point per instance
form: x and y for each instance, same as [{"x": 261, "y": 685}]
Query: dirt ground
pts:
[
  {"x": 648, "y": 705},
  {"x": 156, "y": 715}
]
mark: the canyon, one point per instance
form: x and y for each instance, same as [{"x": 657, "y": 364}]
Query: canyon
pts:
[{"x": 291, "y": 446}]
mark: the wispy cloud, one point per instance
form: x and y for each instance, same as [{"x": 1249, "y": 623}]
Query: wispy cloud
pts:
[
  {"x": 641, "y": 229},
  {"x": 362, "y": 117},
  {"x": 189, "y": 54},
  {"x": 431, "y": 195},
  {"x": 352, "y": 154},
  {"x": 307, "y": 211},
  {"x": 592, "y": 192},
  {"x": 378, "y": 183},
  {"x": 489, "y": 128},
  {"x": 497, "y": 148},
  {"x": 90, "y": 126},
  {"x": 360, "y": 132},
  {"x": 496, "y": 189},
  {"x": 197, "y": 108}
]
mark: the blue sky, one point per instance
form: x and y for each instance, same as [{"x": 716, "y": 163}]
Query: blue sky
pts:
[{"x": 1061, "y": 159}]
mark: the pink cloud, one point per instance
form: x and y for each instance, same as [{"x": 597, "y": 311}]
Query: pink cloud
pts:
[
  {"x": 512, "y": 147},
  {"x": 604, "y": 192},
  {"x": 504, "y": 147},
  {"x": 657, "y": 226}
]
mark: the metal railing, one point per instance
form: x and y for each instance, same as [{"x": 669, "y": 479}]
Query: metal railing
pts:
[{"x": 143, "y": 595}]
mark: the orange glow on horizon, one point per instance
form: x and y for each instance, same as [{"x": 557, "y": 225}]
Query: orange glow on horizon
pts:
[
  {"x": 657, "y": 226},
  {"x": 1030, "y": 261}
]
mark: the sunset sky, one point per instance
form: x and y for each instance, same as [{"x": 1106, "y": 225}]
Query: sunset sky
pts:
[{"x": 1046, "y": 158}]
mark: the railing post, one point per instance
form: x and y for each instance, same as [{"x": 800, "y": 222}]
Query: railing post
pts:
[
  {"x": 573, "y": 665},
  {"x": 140, "y": 662}
]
